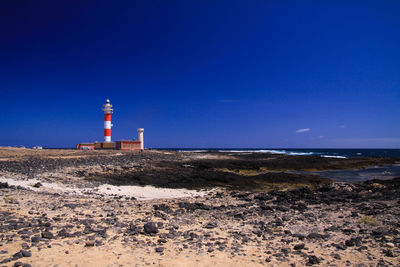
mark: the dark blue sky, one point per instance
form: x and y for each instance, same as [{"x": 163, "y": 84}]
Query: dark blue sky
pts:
[{"x": 316, "y": 74}]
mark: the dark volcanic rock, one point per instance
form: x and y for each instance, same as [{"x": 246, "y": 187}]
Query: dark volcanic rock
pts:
[
  {"x": 313, "y": 260},
  {"x": 18, "y": 263},
  {"x": 379, "y": 232},
  {"x": 150, "y": 228},
  {"x": 210, "y": 225},
  {"x": 193, "y": 206},
  {"x": 283, "y": 208},
  {"x": 17, "y": 255},
  {"x": 4, "y": 185},
  {"x": 340, "y": 246},
  {"x": 64, "y": 233},
  {"x": 37, "y": 185},
  {"x": 35, "y": 239},
  {"x": 299, "y": 236},
  {"x": 202, "y": 173},
  {"x": 266, "y": 207},
  {"x": 239, "y": 195},
  {"x": 355, "y": 241},
  {"x": 162, "y": 240},
  {"x": 348, "y": 231},
  {"x": 389, "y": 253},
  {"x": 299, "y": 206},
  {"x": 315, "y": 236},
  {"x": 299, "y": 246},
  {"x": 26, "y": 253},
  {"x": 6, "y": 260},
  {"x": 162, "y": 207},
  {"x": 159, "y": 249},
  {"x": 47, "y": 235},
  {"x": 263, "y": 196},
  {"x": 132, "y": 229},
  {"x": 90, "y": 243}
]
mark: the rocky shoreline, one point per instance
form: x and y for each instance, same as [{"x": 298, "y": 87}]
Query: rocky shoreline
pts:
[{"x": 313, "y": 221}]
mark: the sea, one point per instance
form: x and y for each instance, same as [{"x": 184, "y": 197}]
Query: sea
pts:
[
  {"x": 328, "y": 153},
  {"x": 374, "y": 172}
]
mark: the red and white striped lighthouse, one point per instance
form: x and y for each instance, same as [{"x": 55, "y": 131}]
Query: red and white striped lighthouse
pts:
[{"x": 108, "y": 110}]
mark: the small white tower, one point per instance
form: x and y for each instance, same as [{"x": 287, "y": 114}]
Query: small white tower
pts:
[
  {"x": 108, "y": 110},
  {"x": 140, "y": 137}
]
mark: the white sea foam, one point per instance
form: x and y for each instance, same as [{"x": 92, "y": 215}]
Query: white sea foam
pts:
[
  {"x": 271, "y": 151},
  {"x": 300, "y": 153},
  {"x": 255, "y": 151},
  {"x": 336, "y": 157},
  {"x": 275, "y": 151},
  {"x": 196, "y": 151},
  {"x": 282, "y": 152}
]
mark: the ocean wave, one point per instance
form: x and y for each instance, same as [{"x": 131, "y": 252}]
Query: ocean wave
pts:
[
  {"x": 283, "y": 152},
  {"x": 197, "y": 151},
  {"x": 328, "y": 153},
  {"x": 255, "y": 151},
  {"x": 269, "y": 151},
  {"x": 336, "y": 157},
  {"x": 300, "y": 153},
  {"x": 280, "y": 152}
]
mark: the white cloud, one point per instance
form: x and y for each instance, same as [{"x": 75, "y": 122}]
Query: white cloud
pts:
[
  {"x": 342, "y": 126},
  {"x": 321, "y": 136},
  {"x": 303, "y": 130}
]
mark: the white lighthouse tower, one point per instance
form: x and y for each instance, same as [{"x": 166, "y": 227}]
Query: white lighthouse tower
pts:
[
  {"x": 140, "y": 137},
  {"x": 108, "y": 110}
]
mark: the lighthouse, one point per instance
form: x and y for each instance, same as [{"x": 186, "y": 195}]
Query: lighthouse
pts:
[
  {"x": 108, "y": 110},
  {"x": 127, "y": 145}
]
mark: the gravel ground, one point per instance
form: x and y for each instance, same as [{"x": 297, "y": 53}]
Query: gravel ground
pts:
[{"x": 323, "y": 223}]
